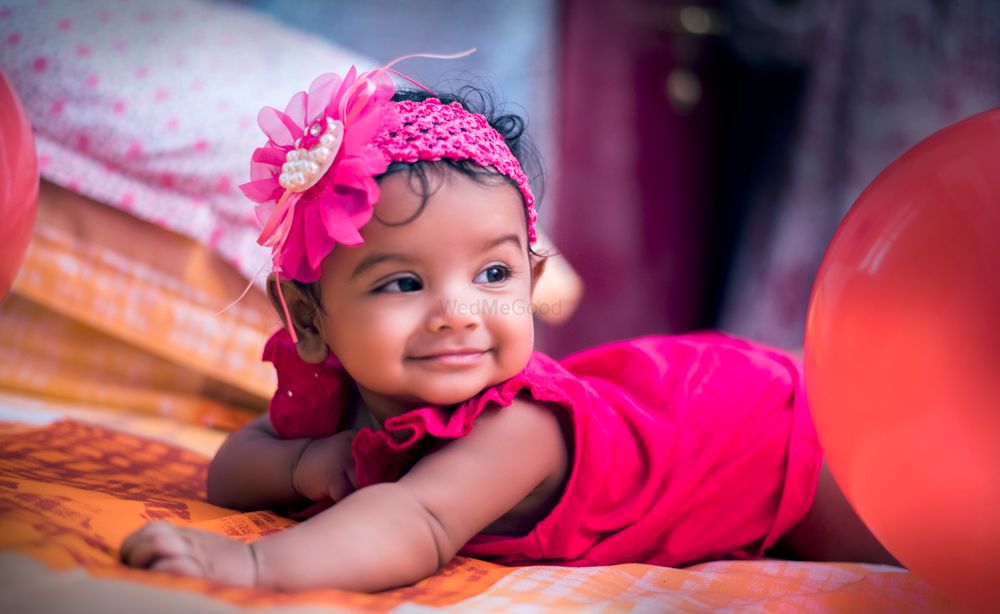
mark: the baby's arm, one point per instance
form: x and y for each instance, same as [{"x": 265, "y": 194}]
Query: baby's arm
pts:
[
  {"x": 396, "y": 533},
  {"x": 389, "y": 534},
  {"x": 255, "y": 469}
]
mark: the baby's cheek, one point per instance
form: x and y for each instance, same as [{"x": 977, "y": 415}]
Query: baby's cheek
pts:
[
  {"x": 518, "y": 343},
  {"x": 355, "y": 337}
]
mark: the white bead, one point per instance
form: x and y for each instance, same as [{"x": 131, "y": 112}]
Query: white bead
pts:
[
  {"x": 284, "y": 180},
  {"x": 293, "y": 155},
  {"x": 321, "y": 154},
  {"x": 298, "y": 179},
  {"x": 314, "y": 130},
  {"x": 311, "y": 168},
  {"x": 327, "y": 139}
]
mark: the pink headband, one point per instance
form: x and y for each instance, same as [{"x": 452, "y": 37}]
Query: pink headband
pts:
[{"x": 314, "y": 178}]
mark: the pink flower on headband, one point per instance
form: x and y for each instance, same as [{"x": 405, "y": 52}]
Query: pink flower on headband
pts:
[{"x": 319, "y": 161}]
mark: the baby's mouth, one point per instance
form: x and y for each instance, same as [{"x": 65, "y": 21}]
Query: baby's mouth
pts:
[{"x": 457, "y": 357}]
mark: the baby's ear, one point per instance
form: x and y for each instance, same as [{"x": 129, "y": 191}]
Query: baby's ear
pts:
[
  {"x": 537, "y": 269},
  {"x": 303, "y": 311},
  {"x": 557, "y": 296}
]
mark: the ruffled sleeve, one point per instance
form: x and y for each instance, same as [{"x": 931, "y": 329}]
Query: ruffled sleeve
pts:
[
  {"x": 310, "y": 398},
  {"x": 384, "y": 455}
]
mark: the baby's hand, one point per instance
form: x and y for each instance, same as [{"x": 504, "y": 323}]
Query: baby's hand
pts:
[
  {"x": 161, "y": 546},
  {"x": 326, "y": 469}
]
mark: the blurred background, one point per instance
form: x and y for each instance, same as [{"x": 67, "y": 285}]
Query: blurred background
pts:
[{"x": 698, "y": 159}]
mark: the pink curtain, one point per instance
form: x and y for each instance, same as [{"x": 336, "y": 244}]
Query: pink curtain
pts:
[
  {"x": 632, "y": 179},
  {"x": 884, "y": 75}
]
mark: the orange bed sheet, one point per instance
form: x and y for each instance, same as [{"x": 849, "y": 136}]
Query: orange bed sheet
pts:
[{"x": 75, "y": 481}]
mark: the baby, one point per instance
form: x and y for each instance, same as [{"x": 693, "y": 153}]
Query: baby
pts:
[{"x": 413, "y": 421}]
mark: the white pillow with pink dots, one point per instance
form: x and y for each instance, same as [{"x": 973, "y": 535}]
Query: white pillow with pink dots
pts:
[{"x": 151, "y": 106}]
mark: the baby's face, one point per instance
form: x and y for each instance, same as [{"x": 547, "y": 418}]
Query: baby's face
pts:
[{"x": 436, "y": 308}]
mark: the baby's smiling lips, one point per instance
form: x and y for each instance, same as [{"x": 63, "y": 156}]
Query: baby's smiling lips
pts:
[{"x": 458, "y": 356}]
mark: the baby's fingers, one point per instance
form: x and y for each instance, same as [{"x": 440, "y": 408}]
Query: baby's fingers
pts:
[
  {"x": 154, "y": 541},
  {"x": 184, "y": 565}
]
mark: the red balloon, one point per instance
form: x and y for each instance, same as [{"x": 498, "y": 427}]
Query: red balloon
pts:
[
  {"x": 18, "y": 183},
  {"x": 902, "y": 359}
]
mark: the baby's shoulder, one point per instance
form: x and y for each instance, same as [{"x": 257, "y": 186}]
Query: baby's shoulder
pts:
[
  {"x": 525, "y": 437},
  {"x": 524, "y": 412}
]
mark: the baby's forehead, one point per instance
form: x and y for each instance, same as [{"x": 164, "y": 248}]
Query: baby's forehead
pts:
[
  {"x": 441, "y": 232},
  {"x": 431, "y": 204}
]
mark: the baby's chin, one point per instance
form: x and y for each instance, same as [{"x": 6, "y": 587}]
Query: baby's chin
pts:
[
  {"x": 452, "y": 396},
  {"x": 457, "y": 394}
]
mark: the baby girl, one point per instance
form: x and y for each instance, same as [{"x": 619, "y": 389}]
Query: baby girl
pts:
[{"x": 413, "y": 421}]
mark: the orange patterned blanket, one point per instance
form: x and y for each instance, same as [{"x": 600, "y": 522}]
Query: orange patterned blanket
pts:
[{"x": 71, "y": 490}]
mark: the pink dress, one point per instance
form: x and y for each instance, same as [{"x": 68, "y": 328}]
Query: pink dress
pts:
[{"x": 685, "y": 448}]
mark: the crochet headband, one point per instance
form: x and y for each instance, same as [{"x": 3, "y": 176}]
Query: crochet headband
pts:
[{"x": 314, "y": 179}]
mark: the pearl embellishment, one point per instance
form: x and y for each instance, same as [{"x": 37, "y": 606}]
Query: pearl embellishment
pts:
[{"x": 303, "y": 168}]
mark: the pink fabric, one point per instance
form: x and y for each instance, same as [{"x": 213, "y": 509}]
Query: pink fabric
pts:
[
  {"x": 149, "y": 106},
  {"x": 634, "y": 177},
  {"x": 885, "y": 75},
  {"x": 685, "y": 448},
  {"x": 309, "y": 398}
]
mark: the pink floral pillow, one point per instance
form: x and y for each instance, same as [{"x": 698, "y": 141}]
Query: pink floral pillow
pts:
[{"x": 151, "y": 106}]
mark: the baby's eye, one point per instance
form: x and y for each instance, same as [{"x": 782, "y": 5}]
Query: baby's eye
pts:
[
  {"x": 493, "y": 274},
  {"x": 402, "y": 284}
]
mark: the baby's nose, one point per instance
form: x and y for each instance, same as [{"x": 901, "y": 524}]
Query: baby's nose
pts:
[{"x": 456, "y": 310}]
